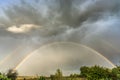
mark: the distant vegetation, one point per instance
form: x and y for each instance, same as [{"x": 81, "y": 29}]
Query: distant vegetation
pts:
[
  {"x": 86, "y": 73},
  {"x": 10, "y": 75}
]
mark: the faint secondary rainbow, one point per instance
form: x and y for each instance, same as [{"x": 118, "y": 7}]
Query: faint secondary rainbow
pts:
[
  {"x": 11, "y": 54},
  {"x": 110, "y": 45},
  {"x": 34, "y": 51}
]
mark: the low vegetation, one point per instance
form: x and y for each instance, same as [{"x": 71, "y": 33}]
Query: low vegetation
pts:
[
  {"x": 3, "y": 77},
  {"x": 86, "y": 73},
  {"x": 10, "y": 75}
]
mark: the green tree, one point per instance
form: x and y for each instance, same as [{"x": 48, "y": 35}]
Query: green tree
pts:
[
  {"x": 74, "y": 75},
  {"x": 84, "y": 71},
  {"x": 58, "y": 74},
  {"x": 116, "y": 73},
  {"x": 41, "y": 78},
  {"x": 12, "y": 74},
  {"x": 95, "y": 73},
  {"x": 52, "y": 77},
  {"x": 3, "y": 77}
]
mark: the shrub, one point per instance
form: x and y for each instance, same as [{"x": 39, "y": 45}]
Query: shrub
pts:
[{"x": 41, "y": 78}]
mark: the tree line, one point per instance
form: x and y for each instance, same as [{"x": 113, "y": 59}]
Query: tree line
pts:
[
  {"x": 100, "y": 73},
  {"x": 90, "y": 73},
  {"x": 86, "y": 72}
]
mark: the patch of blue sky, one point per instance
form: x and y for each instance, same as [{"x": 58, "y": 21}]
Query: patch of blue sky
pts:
[
  {"x": 4, "y": 3},
  {"x": 40, "y": 5}
]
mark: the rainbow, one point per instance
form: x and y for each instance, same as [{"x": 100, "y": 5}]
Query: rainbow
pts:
[
  {"x": 110, "y": 45},
  {"x": 34, "y": 51},
  {"x": 10, "y": 55}
]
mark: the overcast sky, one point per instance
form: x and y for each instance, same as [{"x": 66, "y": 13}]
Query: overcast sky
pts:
[{"x": 28, "y": 24}]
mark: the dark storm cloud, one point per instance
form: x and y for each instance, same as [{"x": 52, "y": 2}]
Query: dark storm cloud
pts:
[{"x": 58, "y": 13}]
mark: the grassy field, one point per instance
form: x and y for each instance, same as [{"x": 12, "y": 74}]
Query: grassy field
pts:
[{"x": 47, "y": 78}]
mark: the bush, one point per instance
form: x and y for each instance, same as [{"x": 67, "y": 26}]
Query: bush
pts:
[
  {"x": 12, "y": 74},
  {"x": 95, "y": 73},
  {"x": 3, "y": 77},
  {"x": 41, "y": 78}
]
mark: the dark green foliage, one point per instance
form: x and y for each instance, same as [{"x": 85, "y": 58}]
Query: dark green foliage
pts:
[
  {"x": 74, "y": 75},
  {"x": 3, "y": 77},
  {"x": 42, "y": 78},
  {"x": 116, "y": 73},
  {"x": 12, "y": 74},
  {"x": 84, "y": 71},
  {"x": 58, "y": 75},
  {"x": 87, "y": 73},
  {"x": 95, "y": 73},
  {"x": 52, "y": 77}
]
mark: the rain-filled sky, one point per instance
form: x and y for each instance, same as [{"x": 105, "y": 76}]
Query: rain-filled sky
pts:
[{"x": 26, "y": 25}]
